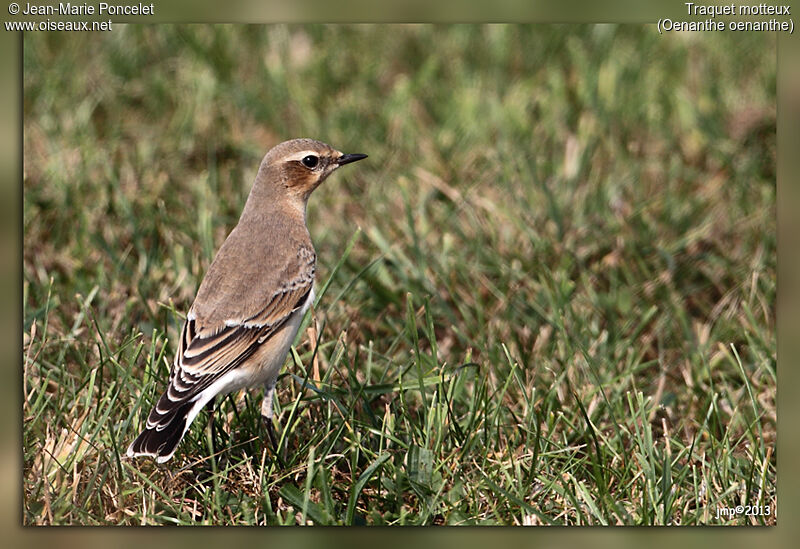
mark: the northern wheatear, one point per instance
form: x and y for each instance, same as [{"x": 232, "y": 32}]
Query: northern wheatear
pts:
[{"x": 250, "y": 304}]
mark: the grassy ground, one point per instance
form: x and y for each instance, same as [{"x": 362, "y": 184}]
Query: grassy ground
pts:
[{"x": 548, "y": 297}]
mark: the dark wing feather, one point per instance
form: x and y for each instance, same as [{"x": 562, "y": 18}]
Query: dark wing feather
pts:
[
  {"x": 220, "y": 336},
  {"x": 201, "y": 360}
]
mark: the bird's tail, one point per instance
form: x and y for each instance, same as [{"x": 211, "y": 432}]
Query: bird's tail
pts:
[{"x": 166, "y": 425}]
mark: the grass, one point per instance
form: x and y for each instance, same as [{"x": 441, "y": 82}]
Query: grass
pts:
[{"x": 548, "y": 296}]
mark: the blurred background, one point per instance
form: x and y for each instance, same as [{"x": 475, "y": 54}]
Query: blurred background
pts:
[{"x": 549, "y": 294}]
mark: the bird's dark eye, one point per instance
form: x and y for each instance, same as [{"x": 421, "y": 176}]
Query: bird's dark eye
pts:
[{"x": 310, "y": 161}]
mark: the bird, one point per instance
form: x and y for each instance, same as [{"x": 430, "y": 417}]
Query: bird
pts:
[{"x": 251, "y": 300}]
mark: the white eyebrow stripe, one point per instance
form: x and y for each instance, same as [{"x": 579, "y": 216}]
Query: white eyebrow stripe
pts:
[{"x": 302, "y": 154}]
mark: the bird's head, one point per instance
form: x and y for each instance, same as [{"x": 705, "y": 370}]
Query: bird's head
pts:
[{"x": 301, "y": 165}]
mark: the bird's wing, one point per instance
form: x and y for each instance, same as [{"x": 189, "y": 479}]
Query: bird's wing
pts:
[
  {"x": 227, "y": 324},
  {"x": 203, "y": 359}
]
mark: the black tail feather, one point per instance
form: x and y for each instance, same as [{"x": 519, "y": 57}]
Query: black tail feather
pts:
[{"x": 163, "y": 437}]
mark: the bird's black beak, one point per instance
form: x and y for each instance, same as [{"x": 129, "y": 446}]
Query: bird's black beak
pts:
[{"x": 347, "y": 158}]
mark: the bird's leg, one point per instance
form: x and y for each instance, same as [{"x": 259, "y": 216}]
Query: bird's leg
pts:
[
  {"x": 210, "y": 409},
  {"x": 266, "y": 417}
]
